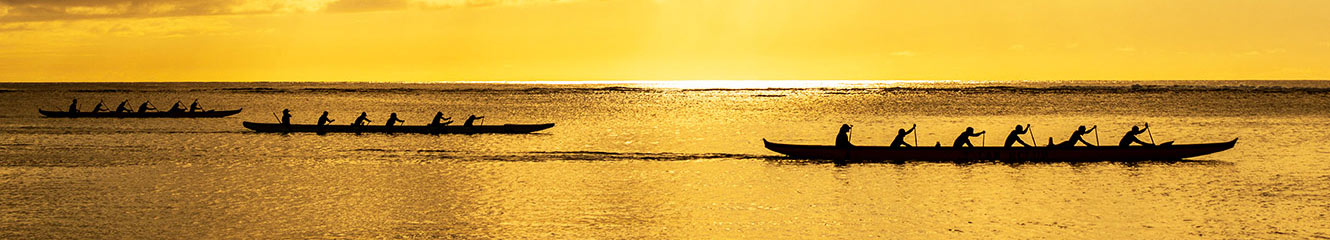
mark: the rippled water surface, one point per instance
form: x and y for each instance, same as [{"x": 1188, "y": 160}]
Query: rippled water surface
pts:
[{"x": 661, "y": 160}]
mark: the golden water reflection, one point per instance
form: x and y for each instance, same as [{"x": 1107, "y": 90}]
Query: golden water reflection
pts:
[{"x": 664, "y": 199}]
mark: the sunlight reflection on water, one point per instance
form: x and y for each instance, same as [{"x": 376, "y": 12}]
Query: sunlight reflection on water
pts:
[{"x": 636, "y": 160}]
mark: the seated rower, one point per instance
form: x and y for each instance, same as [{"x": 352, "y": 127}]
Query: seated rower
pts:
[
  {"x": 964, "y": 139},
  {"x": 393, "y": 120},
  {"x": 122, "y": 108},
  {"x": 176, "y": 108},
  {"x": 144, "y": 107},
  {"x": 1130, "y": 137},
  {"x": 843, "y": 137},
  {"x": 99, "y": 107},
  {"x": 194, "y": 107},
  {"x": 471, "y": 119},
  {"x": 438, "y": 117},
  {"x": 900, "y": 137},
  {"x": 360, "y": 121},
  {"x": 286, "y": 117},
  {"x": 74, "y": 107},
  {"x": 324, "y": 120},
  {"x": 1076, "y": 137},
  {"x": 1015, "y": 136}
]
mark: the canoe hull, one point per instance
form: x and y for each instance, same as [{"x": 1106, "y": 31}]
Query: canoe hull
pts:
[
  {"x": 205, "y": 114},
  {"x": 1012, "y": 154},
  {"x": 453, "y": 129}
]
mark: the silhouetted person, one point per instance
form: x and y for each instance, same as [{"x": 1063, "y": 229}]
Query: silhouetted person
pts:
[
  {"x": 900, "y": 137},
  {"x": 393, "y": 120},
  {"x": 1131, "y": 136},
  {"x": 964, "y": 139},
  {"x": 122, "y": 107},
  {"x": 471, "y": 119},
  {"x": 286, "y": 117},
  {"x": 194, "y": 107},
  {"x": 74, "y": 107},
  {"x": 144, "y": 107},
  {"x": 438, "y": 118},
  {"x": 99, "y": 107},
  {"x": 324, "y": 120},
  {"x": 843, "y": 137},
  {"x": 176, "y": 108},
  {"x": 1015, "y": 136},
  {"x": 360, "y": 121},
  {"x": 1076, "y": 137}
]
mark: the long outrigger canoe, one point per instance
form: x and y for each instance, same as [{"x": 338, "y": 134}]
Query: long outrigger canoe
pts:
[
  {"x": 203, "y": 114},
  {"x": 447, "y": 129},
  {"x": 1005, "y": 154}
]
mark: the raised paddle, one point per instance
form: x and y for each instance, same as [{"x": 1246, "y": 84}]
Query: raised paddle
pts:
[
  {"x": 1032, "y": 142},
  {"x": 274, "y": 116},
  {"x": 1096, "y": 135},
  {"x": 1147, "y": 131},
  {"x": 916, "y": 135}
]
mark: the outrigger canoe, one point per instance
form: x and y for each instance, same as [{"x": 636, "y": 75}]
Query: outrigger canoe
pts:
[
  {"x": 1004, "y": 154},
  {"x": 201, "y": 114},
  {"x": 446, "y": 129}
]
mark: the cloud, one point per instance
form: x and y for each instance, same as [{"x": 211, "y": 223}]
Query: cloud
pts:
[
  {"x": 366, "y": 5},
  {"x": 53, "y": 10}
]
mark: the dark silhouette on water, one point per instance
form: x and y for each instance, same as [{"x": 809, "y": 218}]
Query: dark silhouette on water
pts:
[
  {"x": 286, "y": 118},
  {"x": 194, "y": 107},
  {"x": 324, "y": 120},
  {"x": 122, "y": 108},
  {"x": 900, "y": 137},
  {"x": 426, "y": 129},
  {"x": 392, "y": 120},
  {"x": 145, "y": 107},
  {"x": 843, "y": 137},
  {"x": 145, "y": 110},
  {"x": 99, "y": 107},
  {"x": 1130, "y": 137},
  {"x": 471, "y": 119},
  {"x": 1076, "y": 137},
  {"x": 360, "y": 121},
  {"x": 1015, "y": 136},
  {"x": 74, "y": 107},
  {"x": 176, "y": 108},
  {"x": 1005, "y": 154},
  {"x": 438, "y": 117},
  {"x": 964, "y": 139}
]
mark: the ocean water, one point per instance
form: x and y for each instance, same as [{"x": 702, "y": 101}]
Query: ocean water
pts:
[{"x": 663, "y": 159}]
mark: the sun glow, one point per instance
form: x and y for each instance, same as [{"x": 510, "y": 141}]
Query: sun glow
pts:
[{"x": 500, "y": 40}]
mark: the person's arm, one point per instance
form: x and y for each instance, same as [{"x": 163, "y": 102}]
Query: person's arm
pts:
[
  {"x": 981, "y": 133},
  {"x": 912, "y": 126},
  {"x": 1095, "y": 127},
  {"x": 1147, "y": 127},
  {"x": 1027, "y": 129}
]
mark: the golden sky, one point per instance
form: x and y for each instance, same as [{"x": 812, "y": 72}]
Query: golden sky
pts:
[{"x": 444, "y": 40}]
